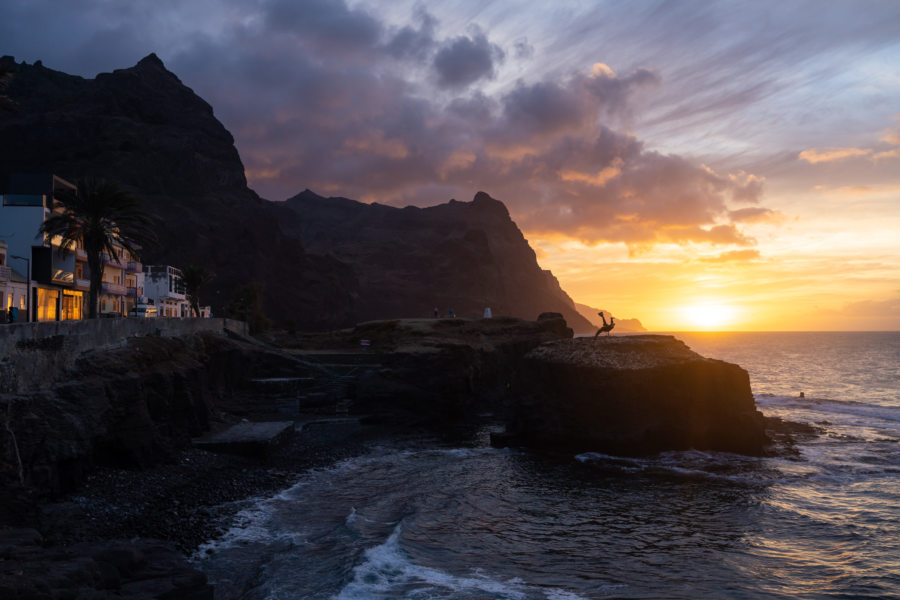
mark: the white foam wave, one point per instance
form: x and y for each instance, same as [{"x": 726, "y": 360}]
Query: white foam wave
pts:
[{"x": 387, "y": 572}]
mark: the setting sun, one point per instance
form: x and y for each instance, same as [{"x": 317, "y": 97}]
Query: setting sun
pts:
[{"x": 709, "y": 315}]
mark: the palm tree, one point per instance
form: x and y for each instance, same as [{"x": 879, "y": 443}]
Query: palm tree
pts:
[
  {"x": 100, "y": 214},
  {"x": 194, "y": 277}
]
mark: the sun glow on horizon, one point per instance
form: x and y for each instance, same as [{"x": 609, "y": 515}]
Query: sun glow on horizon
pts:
[{"x": 709, "y": 316}]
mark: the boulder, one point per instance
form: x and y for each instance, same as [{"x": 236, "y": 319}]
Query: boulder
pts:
[{"x": 631, "y": 395}]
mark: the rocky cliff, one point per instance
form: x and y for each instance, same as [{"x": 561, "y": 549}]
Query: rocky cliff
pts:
[
  {"x": 325, "y": 263},
  {"x": 460, "y": 256},
  {"x": 146, "y": 130}
]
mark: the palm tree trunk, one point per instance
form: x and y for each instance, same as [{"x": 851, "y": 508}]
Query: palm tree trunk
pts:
[{"x": 95, "y": 264}]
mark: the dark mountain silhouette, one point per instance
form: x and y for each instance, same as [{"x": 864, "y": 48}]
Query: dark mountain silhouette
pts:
[
  {"x": 324, "y": 263},
  {"x": 144, "y": 129},
  {"x": 460, "y": 256},
  {"x": 622, "y": 325}
]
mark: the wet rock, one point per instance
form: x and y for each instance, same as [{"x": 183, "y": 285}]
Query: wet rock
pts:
[{"x": 632, "y": 395}]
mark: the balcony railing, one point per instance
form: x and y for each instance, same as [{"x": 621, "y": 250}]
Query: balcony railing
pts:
[
  {"x": 131, "y": 292},
  {"x": 5, "y": 273},
  {"x": 113, "y": 260},
  {"x": 80, "y": 254},
  {"x": 134, "y": 266},
  {"x": 113, "y": 288},
  {"x": 82, "y": 284}
]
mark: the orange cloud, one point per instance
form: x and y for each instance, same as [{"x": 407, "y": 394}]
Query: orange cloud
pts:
[
  {"x": 756, "y": 215},
  {"x": 819, "y": 155},
  {"x": 733, "y": 256},
  {"x": 598, "y": 180},
  {"x": 375, "y": 142},
  {"x": 895, "y": 153}
]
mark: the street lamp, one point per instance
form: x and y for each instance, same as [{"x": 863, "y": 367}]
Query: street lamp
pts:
[{"x": 28, "y": 283}]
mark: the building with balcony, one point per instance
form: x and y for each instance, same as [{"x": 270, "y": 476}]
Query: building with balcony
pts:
[
  {"x": 164, "y": 288},
  {"x": 27, "y": 200},
  {"x": 58, "y": 283},
  {"x": 123, "y": 283}
]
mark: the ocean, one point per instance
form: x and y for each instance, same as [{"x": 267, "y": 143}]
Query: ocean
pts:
[{"x": 426, "y": 519}]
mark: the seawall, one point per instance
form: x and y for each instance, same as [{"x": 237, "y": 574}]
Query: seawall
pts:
[{"x": 34, "y": 355}]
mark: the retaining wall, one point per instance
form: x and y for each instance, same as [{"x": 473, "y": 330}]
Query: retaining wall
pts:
[{"x": 34, "y": 355}]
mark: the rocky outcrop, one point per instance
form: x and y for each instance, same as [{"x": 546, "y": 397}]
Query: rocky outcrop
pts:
[
  {"x": 622, "y": 394},
  {"x": 437, "y": 371},
  {"x": 128, "y": 406},
  {"x": 632, "y": 395},
  {"x": 137, "y": 569}
]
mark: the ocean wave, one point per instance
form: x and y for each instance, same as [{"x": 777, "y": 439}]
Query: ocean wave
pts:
[
  {"x": 387, "y": 572},
  {"x": 724, "y": 466},
  {"x": 836, "y": 412}
]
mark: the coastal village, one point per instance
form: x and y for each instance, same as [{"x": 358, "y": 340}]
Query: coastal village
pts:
[{"x": 40, "y": 281}]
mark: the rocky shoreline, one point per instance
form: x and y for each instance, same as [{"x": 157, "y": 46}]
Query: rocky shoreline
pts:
[
  {"x": 163, "y": 514},
  {"x": 119, "y": 498}
]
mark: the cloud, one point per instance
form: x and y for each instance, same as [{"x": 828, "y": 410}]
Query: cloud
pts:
[
  {"x": 577, "y": 102},
  {"x": 465, "y": 59},
  {"x": 756, "y": 215},
  {"x": 347, "y": 100},
  {"x": 733, "y": 256},
  {"x": 892, "y": 136},
  {"x": 329, "y": 24},
  {"x": 820, "y": 155},
  {"x": 747, "y": 187},
  {"x": 414, "y": 42},
  {"x": 887, "y": 154}
]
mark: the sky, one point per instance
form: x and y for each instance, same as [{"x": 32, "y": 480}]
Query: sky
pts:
[{"x": 692, "y": 164}]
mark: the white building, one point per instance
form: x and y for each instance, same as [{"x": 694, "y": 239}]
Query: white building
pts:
[
  {"x": 53, "y": 291},
  {"x": 13, "y": 289},
  {"x": 164, "y": 288},
  {"x": 59, "y": 282}
]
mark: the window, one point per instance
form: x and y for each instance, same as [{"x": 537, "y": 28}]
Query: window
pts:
[
  {"x": 46, "y": 304},
  {"x": 72, "y": 305}
]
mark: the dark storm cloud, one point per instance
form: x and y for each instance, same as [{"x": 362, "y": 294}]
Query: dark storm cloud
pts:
[
  {"x": 548, "y": 107},
  {"x": 465, "y": 59},
  {"x": 330, "y": 23},
  {"x": 329, "y": 96},
  {"x": 414, "y": 41}
]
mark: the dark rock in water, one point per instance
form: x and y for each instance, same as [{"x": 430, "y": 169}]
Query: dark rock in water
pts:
[{"x": 632, "y": 395}]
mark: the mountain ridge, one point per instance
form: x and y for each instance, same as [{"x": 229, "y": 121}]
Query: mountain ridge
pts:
[{"x": 144, "y": 129}]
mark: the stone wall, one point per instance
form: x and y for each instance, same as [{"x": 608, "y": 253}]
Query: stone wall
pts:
[{"x": 33, "y": 356}]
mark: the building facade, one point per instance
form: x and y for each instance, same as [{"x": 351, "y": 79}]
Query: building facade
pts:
[
  {"x": 57, "y": 283},
  {"x": 164, "y": 288},
  {"x": 53, "y": 294}
]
